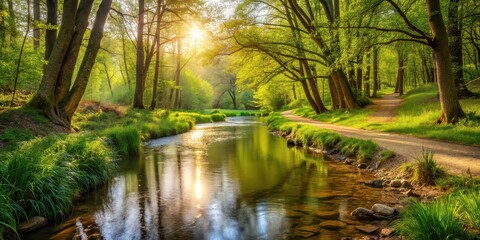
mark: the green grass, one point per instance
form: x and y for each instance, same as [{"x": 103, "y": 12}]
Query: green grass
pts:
[
  {"x": 43, "y": 176},
  {"x": 426, "y": 171},
  {"x": 362, "y": 150},
  {"x": 434, "y": 221},
  {"x": 416, "y": 117}
]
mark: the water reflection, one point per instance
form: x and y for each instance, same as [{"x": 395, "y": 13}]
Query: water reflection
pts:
[{"x": 235, "y": 181}]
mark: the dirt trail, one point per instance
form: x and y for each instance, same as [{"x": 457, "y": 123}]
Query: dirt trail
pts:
[
  {"x": 456, "y": 158},
  {"x": 385, "y": 108}
]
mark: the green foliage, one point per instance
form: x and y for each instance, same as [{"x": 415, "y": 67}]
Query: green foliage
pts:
[
  {"x": 363, "y": 150},
  {"x": 43, "y": 176},
  {"x": 125, "y": 139},
  {"x": 15, "y": 135},
  {"x": 386, "y": 154},
  {"x": 426, "y": 170},
  {"x": 469, "y": 203},
  {"x": 435, "y": 221},
  {"x": 457, "y": 182},
  {"x": 218, "y": 117},
  {"x": 196, "y": 92}
]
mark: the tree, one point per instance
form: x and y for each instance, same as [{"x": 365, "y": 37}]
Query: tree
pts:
[
  {"x": 451, "y": 109},
  {"x": 456, "y": 48},
  {"x": 140, "y": 64},
  {"x": 51, "y": 98}
]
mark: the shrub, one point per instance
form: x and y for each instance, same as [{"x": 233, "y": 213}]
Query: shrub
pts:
[
  {"x": 433, "y": 221},
  {"x": 426, "y": 170},
  {"x": 218, "y": 117}
]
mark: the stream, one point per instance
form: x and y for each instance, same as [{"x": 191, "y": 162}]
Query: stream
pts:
[{"x": 229, "y": 180}]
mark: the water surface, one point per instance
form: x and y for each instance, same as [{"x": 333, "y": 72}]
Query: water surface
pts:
[{"x": 231, "y": 180}]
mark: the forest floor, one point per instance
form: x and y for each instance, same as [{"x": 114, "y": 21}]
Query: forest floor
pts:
[{"x": 455, "y": 158}]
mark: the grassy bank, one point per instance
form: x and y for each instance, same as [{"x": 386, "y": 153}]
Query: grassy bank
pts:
[
  {"x": 42, "y": 175},
  {"x": 416, "y": 117},
  {"x": 362, "y": 150}
]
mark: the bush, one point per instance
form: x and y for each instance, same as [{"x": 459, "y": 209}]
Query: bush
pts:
[
  {"x": 433, "y": 221},
  {"x": 125, "y": 139},
  {"x": 426, "y": 170},
  {"x": 218, "y": 117}
]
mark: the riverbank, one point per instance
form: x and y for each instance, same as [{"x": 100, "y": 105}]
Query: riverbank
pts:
[
  {"x": 438, "y": 199},
  {"x": 43, "y": 174},
  {"x": 416, "y": 115}
]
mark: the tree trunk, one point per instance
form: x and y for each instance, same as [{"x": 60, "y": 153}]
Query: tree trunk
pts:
[
  {"x": 177, "y": 74},
  {"x": 455, "y": 47},
  {"x": 311, "y": 81},
  {"x": 36, "y": 22},
  {"x": 366, "y": 77},
  {"x": 400, "y": 73},
  {"x": 75, "y": 95},
  {"x": 64, "y": 80},
  {"x": 140, "y": 64},
  {"x": 109, "y": 78},
  {"x": 294, "y": 91},
  {"x": 44, "y": 98},
  {"x": 334, "y": 94},
  {"x": 309, "y": 96},
  {"x": 376, "y": 84},
  {"x": 450, "y": 106},
  {"x": 12, "y": 25},
  {"x": 359, "y": 73},
  {"x": 51, "y": 32},
  {"x": 125, "y": 64}
]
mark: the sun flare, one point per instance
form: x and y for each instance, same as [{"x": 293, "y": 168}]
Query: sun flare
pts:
[{"x": 196, "y": 33}]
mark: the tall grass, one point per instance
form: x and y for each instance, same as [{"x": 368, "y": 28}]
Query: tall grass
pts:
[
  {"x": 426, "y": 170},
  {"x": 43, "y": 176},
  {"x": 433, "y": 221},
  {"x": 469, "y": 203},
  {"x": 125, "y": 139}
]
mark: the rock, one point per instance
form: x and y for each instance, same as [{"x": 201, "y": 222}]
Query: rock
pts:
[
  {"x": 411, "y": 193},
  {"x": 362, "y": 213},
  {"x": 33, "y": 223},
  {"x": 367, "y": 228},
  {"x": 375, "y": 183},
  {"x": 362, "y": 166},
  {"x": 327, "y": 214},
  {"x": 332, "y": 225},
  {"x": 293, "y": 214},
  {"x": 387, "y": 232},
  {"x": 396, "y": 183},
  {"x": 303, "y": 234},
  {"x": 313, "y": 229},
  {"x": 349, "y": 161},
  {"x": 379, "y": 216},
  {"x": 383, "y": 209},
  {"x": 406, "y": 184},
  {"x": 95, "y": 236}
]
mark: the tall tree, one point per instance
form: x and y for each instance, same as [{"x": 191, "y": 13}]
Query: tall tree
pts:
[
  {"x": 51, "y": 32},
  {"x": 451, "y": 109},
  {"x": 47, "y": 97},
  {"x": 140, "y": 64},
  {"x": 376, "y": 82},
  {"x": 456, "y": 48},
  {"x": 36, "y": 23}
]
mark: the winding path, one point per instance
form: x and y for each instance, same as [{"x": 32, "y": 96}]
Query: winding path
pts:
[{"x": 456, "y": 158}]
